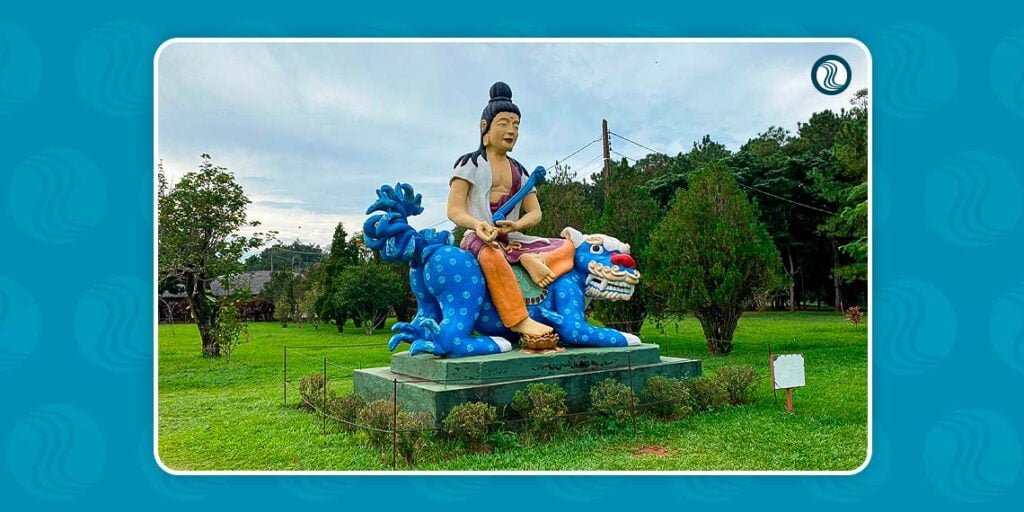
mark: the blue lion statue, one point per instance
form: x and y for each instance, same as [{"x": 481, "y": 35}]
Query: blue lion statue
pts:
[{"x": 455, "y": 315}]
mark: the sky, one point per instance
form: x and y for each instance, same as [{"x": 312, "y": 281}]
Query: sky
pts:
[{"x": 311, "y": 130}]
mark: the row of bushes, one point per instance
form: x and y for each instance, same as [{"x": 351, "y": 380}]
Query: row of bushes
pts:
[
  {"x": 376, "y": 418},
  {"x": 541, "y": 407}
]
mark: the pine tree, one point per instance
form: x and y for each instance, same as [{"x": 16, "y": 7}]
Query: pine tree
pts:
[
  {"x": 711, "y": 256},
  {"x": 345, "y": 253}
]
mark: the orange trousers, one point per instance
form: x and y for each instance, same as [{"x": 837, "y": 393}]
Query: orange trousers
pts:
[{"x": 502, "y": 284}]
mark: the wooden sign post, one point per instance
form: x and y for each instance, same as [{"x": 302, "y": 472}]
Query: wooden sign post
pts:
[{"x": 787, "y": 371}]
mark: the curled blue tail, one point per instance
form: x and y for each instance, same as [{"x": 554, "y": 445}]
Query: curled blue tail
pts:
[{"x": 390, "y": 232}]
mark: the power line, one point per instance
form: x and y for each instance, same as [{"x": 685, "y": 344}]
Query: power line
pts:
[
  {"x": 755, "y": 189},
  {"x": 439, "y": 223},
  {"x": 282, "y": 249},
  {"x": 637, "y": 143},
  {"x": 585, "y": 146},
  {"x": 785, "y": 199},
  {"x": 592, "y": 160},
  {"x": 584, "y": 171},
  {"x": 624, "y": 156}
]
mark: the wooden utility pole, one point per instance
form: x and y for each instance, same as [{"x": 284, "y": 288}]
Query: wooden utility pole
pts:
[{"x": 607, "y": 154}]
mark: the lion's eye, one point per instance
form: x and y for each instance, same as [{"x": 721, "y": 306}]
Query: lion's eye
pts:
[{"x": 596, "y": 249}]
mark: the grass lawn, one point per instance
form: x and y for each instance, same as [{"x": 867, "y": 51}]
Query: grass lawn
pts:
[{"x": 217, "y": 416}]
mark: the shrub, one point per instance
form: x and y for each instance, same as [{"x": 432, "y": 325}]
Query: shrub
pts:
[
  {"x": 503, "y": 440},
  {"x": 707, "y": 394},
  {"x": 854, "y": 314},
  {"x": 667, "y": 398},
  {"x": 737, "y": 381},
  {"x": 311, "y": 389},
  {"x": 414, "y": 432},
  {"x": 414, "y": 429},
  {"x": 345, "y": 409},
  {"x": 231, "y": 331},
  {"x": 544, "y": 405},
  {"x": 612, "y": 400},
  {"x": 469, "y": 423},
  {"x": 377, "y": 419}
]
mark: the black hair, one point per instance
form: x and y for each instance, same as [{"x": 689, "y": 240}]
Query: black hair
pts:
[{"x": 501, "y": 101}]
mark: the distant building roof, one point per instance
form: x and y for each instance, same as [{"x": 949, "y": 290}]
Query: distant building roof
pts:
[{"x": 253, "y": 280}]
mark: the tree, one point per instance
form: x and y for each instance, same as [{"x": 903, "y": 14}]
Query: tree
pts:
[
  {"x": 285, "y": 290},
  {"x": 344, "y": 253},
  {"x": 630, "y": 214},
  {"x": 764, "y": 164},
  {"x": 314, "y": 289},
  {"x": 711, "y": 256},
  {"x": 851, "y": 221},
  {"x": 404, "y": 309},
  {"x": 676, "y": 171},
  {"x": 368, "y": 292},
  {"x": 843, "y": 183},
  {"x": 199, "y": 223},
  {"x": 295, "y": 256},
  {"x": 232, "y": 331}
]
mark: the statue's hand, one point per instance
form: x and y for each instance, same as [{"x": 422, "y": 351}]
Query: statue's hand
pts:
[
  {"x": 486, "y": 232},
  {"x": 506, "y": 226}
]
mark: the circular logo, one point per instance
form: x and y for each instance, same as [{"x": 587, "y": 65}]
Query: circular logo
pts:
[{"x": 831, "y": 75}]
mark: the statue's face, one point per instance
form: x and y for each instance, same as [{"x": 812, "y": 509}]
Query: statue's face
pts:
[{"x": 503, "y": 133}]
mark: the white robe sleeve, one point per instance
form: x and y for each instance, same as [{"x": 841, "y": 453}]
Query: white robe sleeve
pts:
[
  {"x": 478, "y": 199},
  {"x": 465, "y": 171}
]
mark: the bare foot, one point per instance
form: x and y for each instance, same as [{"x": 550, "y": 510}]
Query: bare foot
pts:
[
  {"x": 538, "y": 270},
  {"x": 531, "y": 326}
]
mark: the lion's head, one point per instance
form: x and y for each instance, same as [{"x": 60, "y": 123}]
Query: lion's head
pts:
[{"x": 610, "y": 270}]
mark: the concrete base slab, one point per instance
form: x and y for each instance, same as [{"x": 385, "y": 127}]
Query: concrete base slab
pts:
[{"x": 427, "y": 383}]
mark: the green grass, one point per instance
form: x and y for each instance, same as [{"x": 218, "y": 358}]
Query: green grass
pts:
[{"x": 217, "y": 416}]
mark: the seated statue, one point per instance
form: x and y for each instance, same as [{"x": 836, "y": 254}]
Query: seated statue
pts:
[
  {"x": 469, "y": 299},
  {"x": 483, "y": 182}
]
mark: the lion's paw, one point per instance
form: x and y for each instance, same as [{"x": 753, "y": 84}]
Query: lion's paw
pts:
[{"x": 631, "y": 339}]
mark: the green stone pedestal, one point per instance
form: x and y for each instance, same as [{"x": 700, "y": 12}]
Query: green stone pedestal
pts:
[{"x": 429, "y": 383}]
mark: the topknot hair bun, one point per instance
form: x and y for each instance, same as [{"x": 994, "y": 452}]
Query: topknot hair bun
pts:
[{"x": 501, "y": 91}]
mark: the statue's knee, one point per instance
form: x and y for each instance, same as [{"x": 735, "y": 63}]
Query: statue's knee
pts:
[{"x": 489, "y": 255}]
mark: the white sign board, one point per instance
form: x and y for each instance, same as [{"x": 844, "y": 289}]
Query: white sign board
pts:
[{"x": 788, "y": 370}]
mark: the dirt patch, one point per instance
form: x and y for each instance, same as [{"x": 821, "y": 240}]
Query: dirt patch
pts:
[{"x": 656, "y": 450}]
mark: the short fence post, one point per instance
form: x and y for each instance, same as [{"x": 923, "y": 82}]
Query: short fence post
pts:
[
  {"x": 323, "y": 404},
  {"x": 285, "y": 382},
  {"x": 394, "y": 427},
  {"x": 632, "y": 400}
]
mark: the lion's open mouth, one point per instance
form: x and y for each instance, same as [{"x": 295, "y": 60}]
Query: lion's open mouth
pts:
[{"x": 611, "y": 283}]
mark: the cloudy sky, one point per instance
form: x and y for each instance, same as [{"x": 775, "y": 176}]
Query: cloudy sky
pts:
[{"x": 310, "y": 130}]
